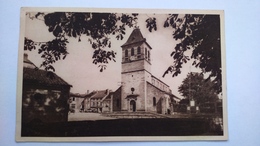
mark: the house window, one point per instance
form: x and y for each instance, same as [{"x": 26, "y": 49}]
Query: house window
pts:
[
  {"x": 73, "y": 106},
  {"x": 39, "y": 98},
  {"x": 154, "y": 101},
  {"x": 132, "y": 52},
  {"x": 56, "y": 93}
]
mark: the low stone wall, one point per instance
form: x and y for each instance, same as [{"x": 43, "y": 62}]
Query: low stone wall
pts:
[{"x": 134, "y": 115}]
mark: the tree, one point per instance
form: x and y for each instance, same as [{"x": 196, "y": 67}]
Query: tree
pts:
[
  {"x": 185, "y": 101},
  {"x": 197, "y": 33},
  {"x": 201, "y": 35},
  {"x": 195, "y": 87},
  {"x": 99, "y": 27}
]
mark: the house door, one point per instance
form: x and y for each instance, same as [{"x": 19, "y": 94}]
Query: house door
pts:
[{"x": 132, "y": 106}]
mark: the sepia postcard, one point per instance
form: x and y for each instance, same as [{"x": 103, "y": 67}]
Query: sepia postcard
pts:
[{"x": 91, "y": 74}]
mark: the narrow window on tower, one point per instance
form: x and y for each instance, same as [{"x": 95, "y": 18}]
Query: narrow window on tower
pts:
[
  {"x": 132, "y": 52},
  {"x": 126, "y": 55},
  {"x": 149, "y": 55},
  {"x": 139, "y": 52},
  {"x": 146, "y": 53}
]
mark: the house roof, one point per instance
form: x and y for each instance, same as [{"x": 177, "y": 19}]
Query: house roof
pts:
[
  {"x": 27, "y": 63},
  {"x": 81, "y": 95},
  {"x": 135, "y": 37},
  {"x": 33, "y": 75},
  {"x": 99, "y": 94},
  {"x": 42, "y": 77},
  {"x": 76, "y": 95}
]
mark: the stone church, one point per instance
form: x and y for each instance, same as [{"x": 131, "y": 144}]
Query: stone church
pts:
[{"x": 140, "y": 90}]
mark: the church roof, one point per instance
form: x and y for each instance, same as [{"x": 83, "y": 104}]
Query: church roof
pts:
[
  {"x": 169, "y": 93},
  {"x": 159, "y": 80},
  {"x": 135, "y": 37}
]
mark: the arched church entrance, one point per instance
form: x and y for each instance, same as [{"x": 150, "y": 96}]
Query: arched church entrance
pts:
[
  {"x": 132, "y": 106},
  {"x": 159, "y": 106}
]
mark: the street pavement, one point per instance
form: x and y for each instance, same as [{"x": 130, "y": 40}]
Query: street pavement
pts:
[{"x": 87, "y": 117}]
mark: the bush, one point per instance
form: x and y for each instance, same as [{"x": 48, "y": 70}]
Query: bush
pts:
[{"x": 182, "y": 108}]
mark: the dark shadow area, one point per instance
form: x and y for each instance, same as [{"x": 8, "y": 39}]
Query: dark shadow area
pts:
[{"x": 123, "y": 127}]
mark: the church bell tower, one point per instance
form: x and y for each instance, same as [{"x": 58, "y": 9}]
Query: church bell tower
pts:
[{"x": 136, "y": 68}]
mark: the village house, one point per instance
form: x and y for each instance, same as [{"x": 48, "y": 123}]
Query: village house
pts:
[
  {"x": 45, "y": 95},
  {"x": 96, "y": 101},
  {"x": 101, "y": 101},
  {"x": 76, "y": 102}
]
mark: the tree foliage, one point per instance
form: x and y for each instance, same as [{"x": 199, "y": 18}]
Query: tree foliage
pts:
[
  {"x": 194, "y": 86},
  {"x": 201, "y": 35},
  {"x": 99, "y": 27}
]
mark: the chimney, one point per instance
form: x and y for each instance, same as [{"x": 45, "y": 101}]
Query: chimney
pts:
[
  {"x": 26, "y": 62},
  {"x": 25, "y": 57}
]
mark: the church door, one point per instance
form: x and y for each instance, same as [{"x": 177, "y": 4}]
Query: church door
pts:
[
  {"x": 132, "y": 106},
  {"x": 159, "y": 106}
]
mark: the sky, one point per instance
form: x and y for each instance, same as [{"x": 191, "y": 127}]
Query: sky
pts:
[{"x": 79, "y": 71}]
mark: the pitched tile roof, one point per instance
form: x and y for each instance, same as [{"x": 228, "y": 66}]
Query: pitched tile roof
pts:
[
  {"x": 135, "y": 37},
  {"x": 99, "y": 94},
  {"x": 77, "y": 95},
  {"x": 42, "y": 77},
  {"x": 85, "y": 95}
]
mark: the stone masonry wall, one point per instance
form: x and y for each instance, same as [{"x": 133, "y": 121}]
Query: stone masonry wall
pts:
[{"x": 134, "y": 80}]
